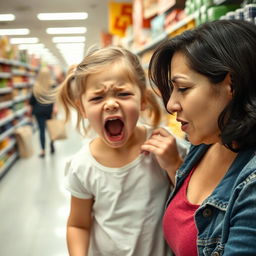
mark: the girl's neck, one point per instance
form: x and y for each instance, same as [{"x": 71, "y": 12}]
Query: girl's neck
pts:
[{"x": 118, "y": 157}]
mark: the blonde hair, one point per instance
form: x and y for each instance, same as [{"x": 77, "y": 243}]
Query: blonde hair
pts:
[
  {"x": 70, "y": 92},
  {"x": 43, "y": 84}
]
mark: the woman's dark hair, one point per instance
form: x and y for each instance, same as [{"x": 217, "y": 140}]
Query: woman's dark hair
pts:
[{"x": 215, "y": 49}]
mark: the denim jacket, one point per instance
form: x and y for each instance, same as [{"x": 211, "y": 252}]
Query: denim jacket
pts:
[{"x": 226, "y": 220}]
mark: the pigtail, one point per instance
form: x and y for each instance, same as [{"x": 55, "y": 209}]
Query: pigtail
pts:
[
  {"x": 67, "y": 95},
  {"x": 153, "y": 110}
]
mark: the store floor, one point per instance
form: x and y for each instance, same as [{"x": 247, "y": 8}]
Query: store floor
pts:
[{"x": 34, "y": 204}]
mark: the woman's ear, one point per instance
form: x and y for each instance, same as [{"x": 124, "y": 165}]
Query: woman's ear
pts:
[{"x": 229, "y": 84}]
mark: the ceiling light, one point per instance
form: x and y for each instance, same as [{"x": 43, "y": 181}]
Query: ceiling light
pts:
[
  {"x": 12, "y": 32},
  {"x": 50, "y": 59},
  {"x": 68, "y": 39},
  {"x": 71, "y": 52},
  {"x": 25, "y": 40},
  {"x": 70, "y": 46},
  {"x": 72, "y": 58},
  {"x": 67, "y": 30},
  {"x": 63, "y": 16},
  {"x": 7, "y": 17},
  {"x": 30, "y": 46}
]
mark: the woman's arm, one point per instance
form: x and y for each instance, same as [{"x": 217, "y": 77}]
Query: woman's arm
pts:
[
  {"x": 242, "y": 223},
  {"x": 78, "y": 226},
  {"x": 164, "y": 146}
]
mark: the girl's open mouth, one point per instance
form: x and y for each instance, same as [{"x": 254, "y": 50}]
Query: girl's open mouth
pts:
[{"x": 114, "y": 128}]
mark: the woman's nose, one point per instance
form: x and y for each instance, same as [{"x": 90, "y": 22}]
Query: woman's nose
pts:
[
  {"x": 111, "y": 105},
  {"x": 173, "y": 104}
]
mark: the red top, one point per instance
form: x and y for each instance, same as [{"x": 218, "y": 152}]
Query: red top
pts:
[{"x": 178, "y": 223}]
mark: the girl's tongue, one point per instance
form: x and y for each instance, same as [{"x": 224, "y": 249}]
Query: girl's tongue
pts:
[{"x": 114, "y": 127}]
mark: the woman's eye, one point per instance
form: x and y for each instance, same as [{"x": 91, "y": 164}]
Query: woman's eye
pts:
[{"x": 182, "y": 89}]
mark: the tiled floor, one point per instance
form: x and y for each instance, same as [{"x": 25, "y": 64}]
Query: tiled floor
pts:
[{"x": 33, "y": 203}]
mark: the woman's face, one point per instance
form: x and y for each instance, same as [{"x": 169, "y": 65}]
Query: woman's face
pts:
[{"x": 197, "y": 102}]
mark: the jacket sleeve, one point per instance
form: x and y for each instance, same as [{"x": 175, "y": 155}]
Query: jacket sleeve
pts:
[{"x": 241, "y": 237}]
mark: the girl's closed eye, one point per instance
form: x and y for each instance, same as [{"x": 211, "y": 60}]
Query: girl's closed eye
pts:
[
  {"x": 124, "y": 94},
  {"x": 96, "y": 98}
]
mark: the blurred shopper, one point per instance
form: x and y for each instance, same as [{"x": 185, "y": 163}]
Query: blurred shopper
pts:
[{"x": 42, "y": 112}]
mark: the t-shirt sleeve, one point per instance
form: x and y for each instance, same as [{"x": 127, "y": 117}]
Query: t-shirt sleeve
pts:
[{"x": 75, "y": 181}]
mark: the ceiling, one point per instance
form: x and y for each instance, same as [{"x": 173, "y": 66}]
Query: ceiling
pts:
[{"x": 26, "y": 17}]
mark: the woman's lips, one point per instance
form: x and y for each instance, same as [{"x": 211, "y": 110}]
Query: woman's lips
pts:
[{"x": 184, "y": 126}]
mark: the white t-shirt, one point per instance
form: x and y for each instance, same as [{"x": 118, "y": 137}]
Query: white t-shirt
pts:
[{"x": 128, "y": 203}]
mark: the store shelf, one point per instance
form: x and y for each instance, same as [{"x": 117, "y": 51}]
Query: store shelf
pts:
[
  {"x": 6, "y": 119},
  {"x": 17, "y": 63},
  {"x": 8, "y": 164},
  {"x": 219, "y": 2},
  {"x": 5, "y": 90},
  {"x": 5, "y": 61},
  {"x": 6, "y": 104},
  {"x": 7, "y": 133},
  {"x": 152, "y": 44},
  {"x": 20, "y": 85},
  {"x": 7, "y": 148},
  {"x": 181, "y": 23},
  {"x": 21, "y": 112},
  {"x": 5, "y": 75},
  {"x": 21, "y": 98},
  {"x": 16, "y": 81},
  {"x": 165, "y": 35},
  {"x": 19, "y": 73},
  {"x": 24, "y": 121}
]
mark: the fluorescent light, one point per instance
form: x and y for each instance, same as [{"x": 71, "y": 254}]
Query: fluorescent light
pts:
[
  {"x": 63, "y": 16},
  {"x": 30, "y": 46},
  {"x": 7, "y": 17},
  {"x": 71, "y": 52},
  {"x": 12, "y": 32},
  {"x": 79, "y": 52},
  {"x": 67, "y": 30},
  {"x": 68, "y": 39},
  {"x": 70, "y": 46},
  {"x": 25, "y": 40},
  {"x": 72, "y": 59}
]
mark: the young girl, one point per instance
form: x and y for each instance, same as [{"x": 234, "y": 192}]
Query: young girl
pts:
[{"x": 118, "y": 193}]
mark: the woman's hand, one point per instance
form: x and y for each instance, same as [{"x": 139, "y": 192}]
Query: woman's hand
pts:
[{"x": 163, "y": 145}]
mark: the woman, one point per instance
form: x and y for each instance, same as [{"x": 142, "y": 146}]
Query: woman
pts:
[{"x": 207, "y": 77}]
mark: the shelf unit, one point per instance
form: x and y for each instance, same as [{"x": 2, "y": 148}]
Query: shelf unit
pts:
[
  {"x": 146, "y": 52},
  {"x": 16, "y": 81},
  {"x": 188, "y": 22}
]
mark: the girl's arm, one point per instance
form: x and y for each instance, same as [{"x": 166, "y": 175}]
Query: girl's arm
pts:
[
  {"x": 78, "y": 226},
  {"x": 164, "y": 146}
]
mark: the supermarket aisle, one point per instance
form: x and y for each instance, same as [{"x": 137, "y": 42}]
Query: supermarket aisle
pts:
[{"x": 33, "y": 203}]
